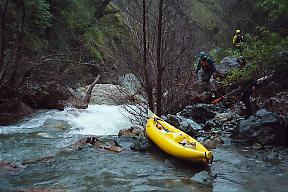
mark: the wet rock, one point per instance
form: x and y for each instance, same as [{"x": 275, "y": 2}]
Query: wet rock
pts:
[
  {"x": 200, "y": 113},
  {"x": 78, "y": 145},
  {"x": 13, "y": 110},
  {"x": 113, "y": 148},
  {"x": 213, "y": 142},
  {"x": 202, "y": 177},
  {"x": 57, "y": 124},
  {"x": 94, "y": 142},
  {"x": 265, "y": 128},
  {"x": 8, "y": 166},
  {"x": 142, "y": 144},
  {"x": 131, "y": 132}
]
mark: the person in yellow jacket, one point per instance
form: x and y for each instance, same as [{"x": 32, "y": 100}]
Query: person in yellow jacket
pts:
[{"x": 238, "y": 40}]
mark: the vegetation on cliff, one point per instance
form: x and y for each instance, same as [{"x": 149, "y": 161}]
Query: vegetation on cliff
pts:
[{"x": 54, "y": 44}]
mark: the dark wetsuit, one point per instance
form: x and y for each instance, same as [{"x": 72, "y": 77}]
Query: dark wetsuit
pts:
[
  {"x": 246, "y": 91},
  {"x": 208, "y": 68}
]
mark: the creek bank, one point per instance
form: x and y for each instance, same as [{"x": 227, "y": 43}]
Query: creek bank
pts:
[
  {"x": 13, "y": 110},
  {"x": 35, "y": 95}
]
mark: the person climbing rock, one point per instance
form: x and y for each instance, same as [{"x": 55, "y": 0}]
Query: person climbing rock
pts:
[
  {"x": 207, "y": 65},
  {"x": 238, "y": 40},
  {"x": 246, "y": 90}
]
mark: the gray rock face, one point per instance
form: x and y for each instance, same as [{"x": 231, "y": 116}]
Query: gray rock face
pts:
[
  {"x": 265, "y": 128},
  {"x": 226, "y": 65}
]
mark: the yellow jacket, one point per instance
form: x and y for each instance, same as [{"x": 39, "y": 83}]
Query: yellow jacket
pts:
[{"x": 237, "y": 39}]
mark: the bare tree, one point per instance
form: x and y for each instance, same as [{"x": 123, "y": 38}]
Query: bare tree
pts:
[
  {"x": 159, "y": 53},
  {"x": 159, "y": 59}
]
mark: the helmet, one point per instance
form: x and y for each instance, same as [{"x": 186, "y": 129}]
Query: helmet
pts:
[
  {"x": 262, "y": 79},
  {"x": 238, "y": 31},
  {"x": 203, "y": 55}
]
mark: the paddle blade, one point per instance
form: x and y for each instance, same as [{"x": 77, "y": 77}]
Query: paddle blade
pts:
[{"x": 218, "y": 100}]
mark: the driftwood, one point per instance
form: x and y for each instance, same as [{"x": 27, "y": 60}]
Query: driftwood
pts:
[
  {"x": 89, "y": 91},
  {"x": 82, "y": 103}
]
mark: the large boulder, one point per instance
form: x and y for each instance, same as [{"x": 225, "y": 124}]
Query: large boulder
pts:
[
  {"x": 227, "y": 65},
  {"x": 265, "y": 128}
]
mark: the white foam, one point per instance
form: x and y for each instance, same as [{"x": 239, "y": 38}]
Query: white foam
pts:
[
  {"x": 36, "y": 121},
  {"x": 95, "y": 120},
  {"x": 101, "y": 120}
]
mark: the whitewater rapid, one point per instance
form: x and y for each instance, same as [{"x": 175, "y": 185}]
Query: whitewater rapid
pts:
[
  {"x": 95, "y": 120},
  {"x": 101, "y": 120}
]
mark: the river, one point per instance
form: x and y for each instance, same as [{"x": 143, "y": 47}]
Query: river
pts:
[
  {"x": 47, "y": 133},
  {"x": 90, "y": 169}
]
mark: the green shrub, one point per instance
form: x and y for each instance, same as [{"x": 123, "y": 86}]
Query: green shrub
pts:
[{"x": 263, "y": 53}]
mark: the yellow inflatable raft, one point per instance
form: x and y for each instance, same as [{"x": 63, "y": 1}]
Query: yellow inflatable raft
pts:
[{"x": 176, "y": 142}]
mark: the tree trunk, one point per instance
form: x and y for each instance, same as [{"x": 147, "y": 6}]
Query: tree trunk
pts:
[
  {"x": 148, "y": 86},
  {"x": 3, "y": 38},
  {"x": 159, "y": 61},
  {"x": 4, "y": 75},
  {"x": 89, "y": 91}
]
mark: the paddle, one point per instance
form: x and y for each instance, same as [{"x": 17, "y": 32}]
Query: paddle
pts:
[
  {"x": 216, "y": 101},
  {"x": 157, "y": 120}
]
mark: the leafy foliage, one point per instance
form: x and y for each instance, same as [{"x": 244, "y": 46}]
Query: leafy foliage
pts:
[
  {"x": 63, "y": 25},
  {"x": 266, "y": 52},
  {"x": 274, "y": 8}
]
